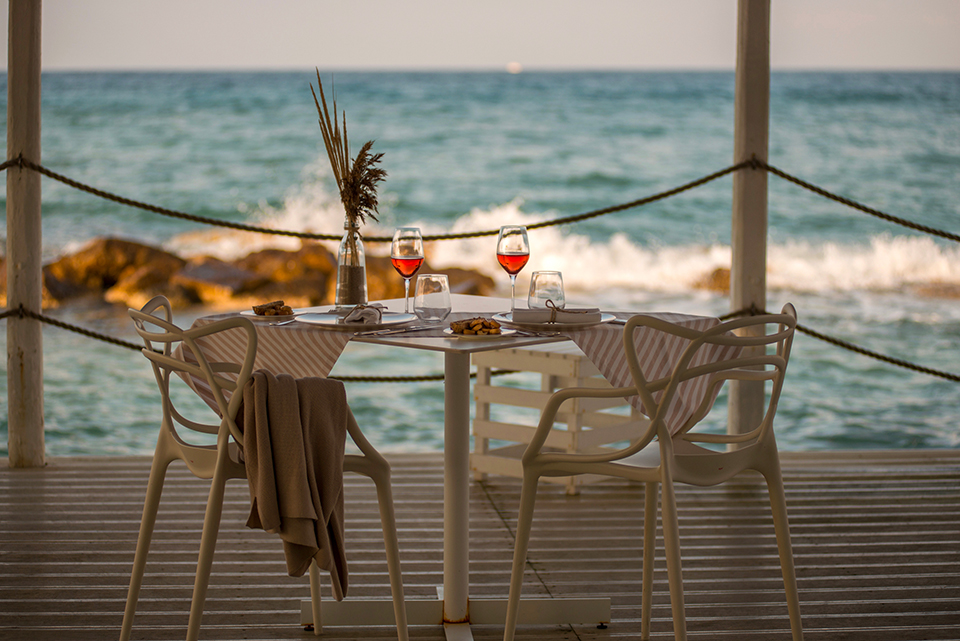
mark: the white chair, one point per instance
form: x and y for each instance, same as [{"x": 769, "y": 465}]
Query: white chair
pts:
[
  {"x": 220, "y": 462},
  {"x": 660, "y": 457}
]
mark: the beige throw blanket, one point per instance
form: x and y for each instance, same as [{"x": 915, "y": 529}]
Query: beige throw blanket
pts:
[{"x": 294, "y": 432}]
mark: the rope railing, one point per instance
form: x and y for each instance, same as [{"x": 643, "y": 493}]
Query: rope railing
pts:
[
  {"x": 754, "y": 163},
  {"x": 752, "y": 311},
  {"x": 172, "y": 213},
  {"x": 854, "y": 204},
  {"x": 21, "y": 312}
]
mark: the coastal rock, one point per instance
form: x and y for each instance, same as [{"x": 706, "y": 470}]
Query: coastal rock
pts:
[
  {"x": 301, "y": 278},
  {"x": 716, "y": 281},
  {"x": 384, "y": 282},
  {"x": 131, "y": 273},
  {"x": 211, "y": 281},
  {"x": 102, "y": 264},
  {"x": 937, "y": 290}
]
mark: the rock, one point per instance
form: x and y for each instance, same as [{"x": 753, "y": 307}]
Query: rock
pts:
[
  {"x": 217, "y": 283},
  {"x": 130, "y": 273},
  {"x": 301, "y": 278},
  {"x": 383, "y": 281},
  {"x": 466, "y": 281},
  {"x": 716, "y": 281},
  {"x": 937, "y": 290},
  {"x": 102, "y": 264}
]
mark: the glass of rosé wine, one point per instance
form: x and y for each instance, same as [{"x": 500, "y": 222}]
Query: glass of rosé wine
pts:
[
  {"x": 513, "y": 252},
  {"x": 406, "y": 254}
]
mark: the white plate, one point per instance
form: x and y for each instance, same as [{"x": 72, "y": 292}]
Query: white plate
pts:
[
  {"x": 551, "y": 327},
  {"x": 479, "y": 337},
  {"x": 333, "y": 320}
]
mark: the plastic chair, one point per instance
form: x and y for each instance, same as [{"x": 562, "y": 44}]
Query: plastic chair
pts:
[
  {"x": 220, "y": 462},
  {"x": 677, "y": 457}
]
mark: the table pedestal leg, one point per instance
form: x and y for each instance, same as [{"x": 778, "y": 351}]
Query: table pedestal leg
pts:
[{"x": 456, "y": 487}]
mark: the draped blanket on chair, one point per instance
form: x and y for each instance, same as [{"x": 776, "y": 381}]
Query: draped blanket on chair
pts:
[{"x": 294, "y": 433}]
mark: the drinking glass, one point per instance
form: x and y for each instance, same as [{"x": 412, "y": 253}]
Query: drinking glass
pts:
[
  {"x": 432, "y": 298},
  {"x": 406, "y": 254},
  {"x": 545, "y": 286},
  {"x": 513, "y": 252}
]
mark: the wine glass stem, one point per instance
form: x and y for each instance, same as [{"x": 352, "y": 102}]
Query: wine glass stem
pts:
[
  {"x": 406, "y": 295},
  {"x": 513, "y": 292}
]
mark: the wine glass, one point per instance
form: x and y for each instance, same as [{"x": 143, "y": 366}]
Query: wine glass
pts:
[
  {"x": 513, "y": 252},
  {"x": 406, "y": 254}
]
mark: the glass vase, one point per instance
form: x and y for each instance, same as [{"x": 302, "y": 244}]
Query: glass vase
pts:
[{"x": 351, "y": 269}]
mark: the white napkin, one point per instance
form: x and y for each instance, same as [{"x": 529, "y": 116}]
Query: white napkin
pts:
[
  {"x": 367, "y": 314},
  {"x": 556, "y": 315}
]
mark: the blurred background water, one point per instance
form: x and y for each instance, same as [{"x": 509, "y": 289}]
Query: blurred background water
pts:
[{"x": 467, "y": 151}]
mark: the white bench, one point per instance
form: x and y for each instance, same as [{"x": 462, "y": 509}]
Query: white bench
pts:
[{"x": 508, "y": 410}]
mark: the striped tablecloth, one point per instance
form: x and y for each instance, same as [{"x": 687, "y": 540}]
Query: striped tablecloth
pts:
[
  {"x": 658, "y": 354},
  {"x": 301, "y": 349}
]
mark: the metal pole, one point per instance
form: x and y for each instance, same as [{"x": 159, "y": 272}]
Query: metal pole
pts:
[
  {"x": 748, "y": 274},
  {"x": 24, "y": 269}
]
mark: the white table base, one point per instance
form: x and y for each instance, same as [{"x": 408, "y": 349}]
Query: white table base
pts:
[
  {"x": 533, "y": 611},
  {"x": 453, "y": 608}
]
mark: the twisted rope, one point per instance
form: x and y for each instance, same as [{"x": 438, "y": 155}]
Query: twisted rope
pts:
[
  {"x": 21, "y": 312},
  {"x": 23, "y": 162},
  {"x": 755, "y": 162},
  {"x": 163, "y": 211},
  {"x": 753, "y": 311}
]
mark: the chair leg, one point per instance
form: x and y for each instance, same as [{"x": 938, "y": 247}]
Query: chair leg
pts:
[
  {"x": 528, "y": 498},
  {"x": 778, "y": 505},
  {"x": 208, "y": 543},
  {"x": 315, "y": 598},
  {"x": 151, "y": 505},
  {"x": 389, "y": 523},
  {"x": 671, "y": 543},
  {"x": 649, "y": 549}
]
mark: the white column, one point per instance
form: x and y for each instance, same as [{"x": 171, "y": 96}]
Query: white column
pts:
[
  {"x": 748, "y": 282},
  {"x": 24, "y": 337}
]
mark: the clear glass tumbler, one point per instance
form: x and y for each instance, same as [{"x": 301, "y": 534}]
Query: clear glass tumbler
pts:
[
  {"x": 546, "y": 286},
  {"x": 432, "y": 300}
]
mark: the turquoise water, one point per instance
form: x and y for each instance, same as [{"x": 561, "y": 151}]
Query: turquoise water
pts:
[{"x": 469, "y": 151}]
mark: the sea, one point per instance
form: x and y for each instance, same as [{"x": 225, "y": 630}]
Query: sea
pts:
[{"x": 477, "y": 150}]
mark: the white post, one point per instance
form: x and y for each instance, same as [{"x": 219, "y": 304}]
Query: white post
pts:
[
  {"x": 748, "y": 274},
  {"x": 24, "y": 269}
]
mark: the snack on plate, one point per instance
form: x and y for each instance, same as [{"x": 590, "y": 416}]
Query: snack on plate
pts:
[
  {"x": 475, "y": 326},
  {"x": 276, "y": 308}
]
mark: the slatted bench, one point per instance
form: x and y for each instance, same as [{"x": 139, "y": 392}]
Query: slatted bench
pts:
[{"x": 508, "y": 410}]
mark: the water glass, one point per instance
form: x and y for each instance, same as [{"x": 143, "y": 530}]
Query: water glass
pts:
[
  {"x": 432, "y": 300},
  {"x": 545, "y": 286}
]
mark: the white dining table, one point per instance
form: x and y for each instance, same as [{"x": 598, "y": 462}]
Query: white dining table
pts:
[{"x": 301, "y": 349}]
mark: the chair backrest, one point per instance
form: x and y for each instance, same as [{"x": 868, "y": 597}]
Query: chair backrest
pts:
[
  {"x": 171, "y": 349},
  {"x": 762, "y": 346}
]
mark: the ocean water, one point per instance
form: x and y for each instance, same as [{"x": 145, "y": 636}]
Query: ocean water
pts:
[{"x": 467, "y": 151}]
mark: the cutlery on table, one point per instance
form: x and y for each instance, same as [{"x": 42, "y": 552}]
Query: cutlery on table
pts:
[{"x": 401, "y": 330}]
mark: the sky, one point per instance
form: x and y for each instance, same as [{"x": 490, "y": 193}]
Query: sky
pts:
[{"x": 445, "y": 34}]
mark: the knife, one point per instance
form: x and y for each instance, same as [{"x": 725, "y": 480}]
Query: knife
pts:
[{"x": 402, "y": 330}]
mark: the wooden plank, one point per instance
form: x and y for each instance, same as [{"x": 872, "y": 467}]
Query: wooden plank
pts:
[{"x": 875, "y": 539}]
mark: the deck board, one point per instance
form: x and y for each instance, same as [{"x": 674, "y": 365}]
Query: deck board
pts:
[{"x": 876, "y": 537}]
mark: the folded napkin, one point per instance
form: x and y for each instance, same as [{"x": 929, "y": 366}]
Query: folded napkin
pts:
[
  {"x": 557, "y": 315},
  {"x": 369, "y": 314}
]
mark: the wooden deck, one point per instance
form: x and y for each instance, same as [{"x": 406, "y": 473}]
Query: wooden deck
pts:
[{"x": 876, "y": 537}]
